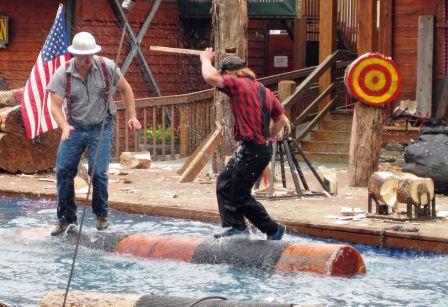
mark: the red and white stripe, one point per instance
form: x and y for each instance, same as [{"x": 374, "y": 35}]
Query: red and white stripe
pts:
[{"x": 36, "y": 102}]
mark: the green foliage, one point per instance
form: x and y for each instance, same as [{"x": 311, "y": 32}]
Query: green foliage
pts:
[{"x": 157, "y": 133}]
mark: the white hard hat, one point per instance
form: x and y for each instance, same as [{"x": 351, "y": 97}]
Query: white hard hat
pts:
[{"x": 84, "y": 44}]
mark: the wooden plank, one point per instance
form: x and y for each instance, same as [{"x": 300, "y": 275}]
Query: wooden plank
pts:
[
  {"x": 163, "y": 133},
  {"x": 200, "y": 159},
  {"x": 184, "y": 130},
  {"x": 385, "y": 33},
  {"x": 172, "y": 133},
  {"x": 145, "y": 130},
  {"x": 425, "y": 58},
  {"x": 327, "y": 41},
  {"x": 154, "y": 128}
]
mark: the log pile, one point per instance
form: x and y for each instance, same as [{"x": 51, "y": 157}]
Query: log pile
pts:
[{"x": 16, "y": 152}]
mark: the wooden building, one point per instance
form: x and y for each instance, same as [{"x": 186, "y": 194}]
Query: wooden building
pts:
[{"x": 276, "y": 45}]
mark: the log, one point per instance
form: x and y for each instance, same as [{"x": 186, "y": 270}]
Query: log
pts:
[
  {"x": 20, "y": 155},
  {"x": 384, "y": 186},
  {"x": 11, "y": 120},
  {"x": 410, "y": 186},
  {"x": 135, "y": 159},
  {"x": 229, "y": 21},
  {"x": 10, "y": 98}
]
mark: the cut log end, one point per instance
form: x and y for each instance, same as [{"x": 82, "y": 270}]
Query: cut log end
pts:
[{"x": 384, "y": 186}]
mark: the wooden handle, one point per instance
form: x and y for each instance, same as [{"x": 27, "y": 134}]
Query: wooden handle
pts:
[
  {"x": 187, "y": 51},
  {"x": 175, "y": 50}
]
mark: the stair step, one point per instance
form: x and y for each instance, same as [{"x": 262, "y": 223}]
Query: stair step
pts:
[
  {"x": 340, "y": 125},
  {"x": 322, "y": 146},
  {"x": 327, "y": 157},
  {"x": 340, "y": 116},
  {"x": 318, "y": 135}
]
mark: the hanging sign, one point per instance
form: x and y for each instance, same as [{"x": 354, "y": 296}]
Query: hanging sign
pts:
[
  {"x": 255, "y": 8},
  {"x": 4, "y": 31},
  {"x": 373, "y": 79}
]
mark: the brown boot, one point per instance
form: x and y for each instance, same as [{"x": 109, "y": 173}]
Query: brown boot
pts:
[
  {"x": 58, "y": 229},
  {"x": 102, "y": 223}
]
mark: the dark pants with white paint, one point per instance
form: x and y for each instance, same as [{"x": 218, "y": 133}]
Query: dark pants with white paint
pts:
[{"x": 234, "y": 187}]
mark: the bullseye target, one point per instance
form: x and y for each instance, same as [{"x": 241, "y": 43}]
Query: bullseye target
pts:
[{"x": 373, "y": 79}]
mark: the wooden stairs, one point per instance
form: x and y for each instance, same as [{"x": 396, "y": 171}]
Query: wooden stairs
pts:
[{"x": 330, "y": 141}]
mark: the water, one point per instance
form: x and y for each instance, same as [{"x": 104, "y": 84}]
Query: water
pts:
[{"x": 29, "y": 268}]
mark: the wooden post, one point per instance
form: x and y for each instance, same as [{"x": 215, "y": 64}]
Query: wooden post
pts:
[
  {"x": 425, "y": 61},
  {"x": 299, "y": 43},
  {"x": 229, "y": 20},
  {"x": 385, "y": 35},
  {"x": 327, "y": 41},
  {"x": 367, "y": 128},
  {"x": 285, "y": 89}
]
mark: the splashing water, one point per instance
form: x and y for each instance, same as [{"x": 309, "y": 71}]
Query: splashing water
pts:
[{"x": 32, "y": 266}]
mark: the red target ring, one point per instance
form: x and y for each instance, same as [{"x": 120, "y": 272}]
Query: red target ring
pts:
[{"x": 373, "y": 79}]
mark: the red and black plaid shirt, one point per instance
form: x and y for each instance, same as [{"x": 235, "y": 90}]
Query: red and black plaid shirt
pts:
[{"x": 247, "y": 109}]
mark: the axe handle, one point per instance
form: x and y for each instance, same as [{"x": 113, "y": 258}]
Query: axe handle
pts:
[{"x": 175, "y": 50}]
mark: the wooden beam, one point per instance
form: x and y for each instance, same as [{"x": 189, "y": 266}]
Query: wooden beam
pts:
[
  {"x": 386, "y": 27},
  {"x": 425, "y": 61},
  {"x": 327, "y": 40},
  {"x": 299, "y": 43},
  {"x": 196, "y": 162}
]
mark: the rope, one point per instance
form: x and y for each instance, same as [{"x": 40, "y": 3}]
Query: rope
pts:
[
  {"x": 395, "y": 228},
  {"x": 93, "y": 167},
  {"x": 208, "y": 298}
]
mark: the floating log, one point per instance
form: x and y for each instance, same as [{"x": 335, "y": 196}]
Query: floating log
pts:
[
  {"x": 11, "y": 120},
  {"x": 83, "y": 299},
  {"x": 21, "y": 155},
  {"x": 10, "y": 98},
  {"x": 285, "y": 256},
  {"x": 383, "y": 186},
  {"x": 321, "y": 258},
  {"x": 411, "y": 186}
]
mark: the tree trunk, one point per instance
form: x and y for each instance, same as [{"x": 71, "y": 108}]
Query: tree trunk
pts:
[
  {"x": 229, "y": 19},
  {"x": 365, "y": 143},
  {"x": 20, "y": 155},
  {"x": 11, "y": 120}
]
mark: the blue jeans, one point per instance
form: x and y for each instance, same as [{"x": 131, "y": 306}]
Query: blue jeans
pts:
[{"x": 69, "y": 154}]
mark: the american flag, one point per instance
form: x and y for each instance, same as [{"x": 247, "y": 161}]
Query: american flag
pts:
[{"x": 36, "y": 102}]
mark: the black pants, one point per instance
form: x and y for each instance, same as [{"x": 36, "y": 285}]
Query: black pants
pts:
[{"x": 234, "y": 186}]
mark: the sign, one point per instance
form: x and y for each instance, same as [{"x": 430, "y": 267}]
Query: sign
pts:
[
  {"x": 4, "y": 31},
  {"x": 373, "y": 79},
  {"x": 281, "y": 61},
  {"x": 255, "y": 8}
]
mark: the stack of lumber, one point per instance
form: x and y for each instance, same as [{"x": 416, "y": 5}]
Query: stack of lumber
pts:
[{"x": 17, "y": 154}]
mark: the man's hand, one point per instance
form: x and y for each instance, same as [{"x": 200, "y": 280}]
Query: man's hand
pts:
[
  {"x": 207, "y": 55},
  {"x": 66, "y": 132},
  {"x": 134, "y": 124}
]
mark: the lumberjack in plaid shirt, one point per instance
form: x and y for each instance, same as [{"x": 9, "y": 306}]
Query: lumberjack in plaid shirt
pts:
[{"x": 234, "y": 184}]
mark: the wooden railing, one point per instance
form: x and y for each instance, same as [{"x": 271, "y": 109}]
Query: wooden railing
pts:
[
  {"x": 174, "y": 126},
  {"x": 329, "y": 97}
]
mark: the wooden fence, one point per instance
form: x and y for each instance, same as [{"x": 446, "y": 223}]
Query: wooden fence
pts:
[{"x": 174, "y": 126}]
